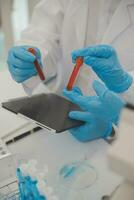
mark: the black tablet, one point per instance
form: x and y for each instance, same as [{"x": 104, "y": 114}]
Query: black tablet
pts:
[{"x": 46, "y": 110}]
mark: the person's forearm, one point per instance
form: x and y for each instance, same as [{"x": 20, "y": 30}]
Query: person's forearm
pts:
[
  {"x": 44, "y": 33},
  {"x": 128, "y": 95}
]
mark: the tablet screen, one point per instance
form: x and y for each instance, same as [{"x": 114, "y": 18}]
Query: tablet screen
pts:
[{"x": 48, "y": 110}]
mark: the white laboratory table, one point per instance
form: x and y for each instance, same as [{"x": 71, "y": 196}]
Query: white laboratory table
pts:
[
  {"x": 10, "y": 124},
  {"x": 58, "y": 150},
  {"x": 54, "y": 150}
]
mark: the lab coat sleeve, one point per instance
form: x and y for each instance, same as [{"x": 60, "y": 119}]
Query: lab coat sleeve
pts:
[
  {"x": 128, "y": 95},
  {"x": 44, "y": 33}
]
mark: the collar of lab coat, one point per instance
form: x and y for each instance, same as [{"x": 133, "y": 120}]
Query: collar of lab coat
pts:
[{"x": 121, "y": 21}]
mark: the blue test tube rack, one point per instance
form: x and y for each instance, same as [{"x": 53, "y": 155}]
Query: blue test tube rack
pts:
[{"x": 28, "y": 187}]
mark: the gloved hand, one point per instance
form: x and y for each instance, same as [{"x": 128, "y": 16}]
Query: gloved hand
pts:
[
  {"x": 99, "y": 112},
  {"x": 104, "y": 61},
  {"x": 21, "y": 63}
]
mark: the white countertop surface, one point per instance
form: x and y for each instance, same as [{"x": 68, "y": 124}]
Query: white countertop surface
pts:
[
  {"x": 54, "y": 150},
  {"x": 58, "y": 150},
  {"x": 9, "y": 89}
]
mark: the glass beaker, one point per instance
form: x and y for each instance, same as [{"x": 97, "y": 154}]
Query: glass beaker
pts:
[{"x": 78, "y": 176}]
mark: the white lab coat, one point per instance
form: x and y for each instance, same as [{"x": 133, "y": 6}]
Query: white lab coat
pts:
[{"x": 59, "y": 26}]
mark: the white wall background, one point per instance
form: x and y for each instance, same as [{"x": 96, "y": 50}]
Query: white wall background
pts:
[{"x": 14, "y": 17}]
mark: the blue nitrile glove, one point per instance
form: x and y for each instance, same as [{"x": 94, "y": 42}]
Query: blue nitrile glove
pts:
[
  {"x": 21, "y": 63},
  {"x": 104, "y": 61},
  {"x": 99, "y": 112}
]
